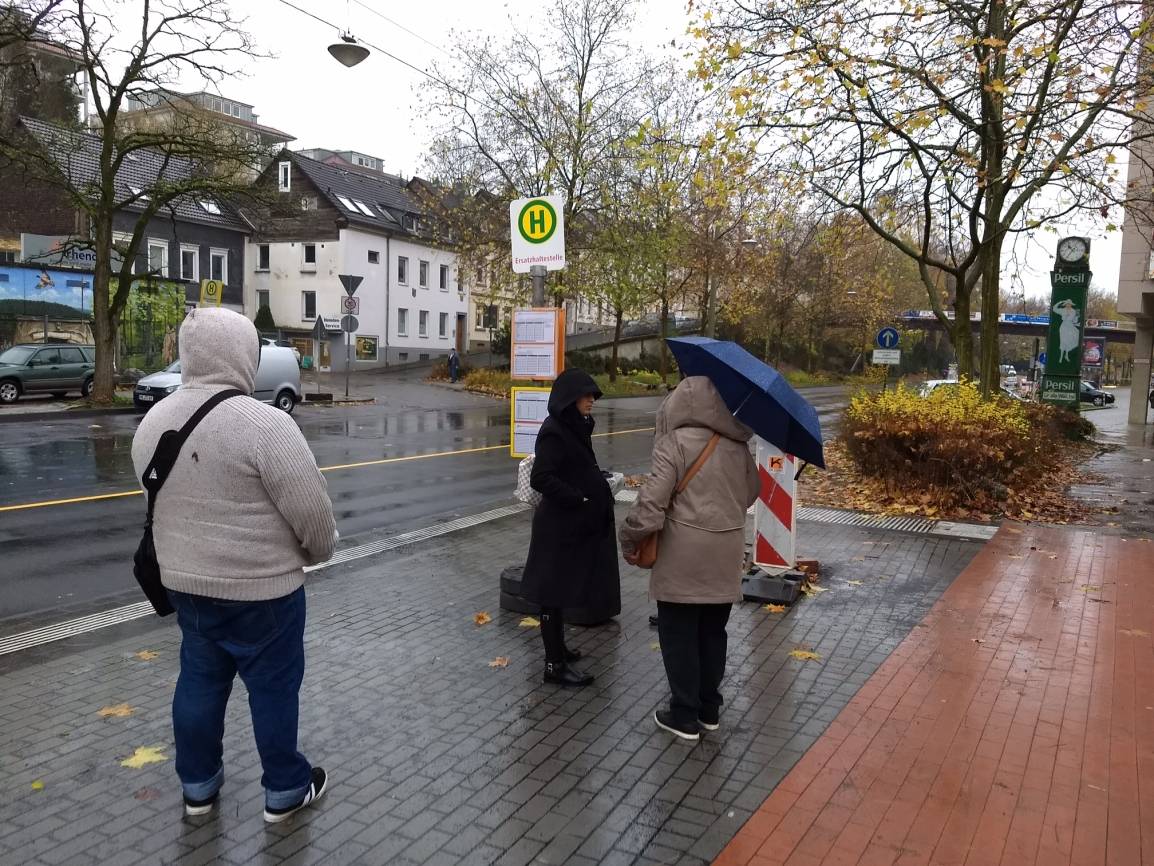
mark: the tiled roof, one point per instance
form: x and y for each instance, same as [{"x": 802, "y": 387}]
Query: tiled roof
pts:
[
  {"x": 386, "y": 196},
  {"x": 77, "y": 155}
]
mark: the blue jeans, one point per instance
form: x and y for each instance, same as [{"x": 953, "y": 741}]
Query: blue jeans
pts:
[{"x": 263, "y": 641}]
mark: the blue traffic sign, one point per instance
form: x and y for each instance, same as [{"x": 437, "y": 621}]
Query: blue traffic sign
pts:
[
  {"x": 1042, "y": 359},
  {"x": 888, "y": 338}
]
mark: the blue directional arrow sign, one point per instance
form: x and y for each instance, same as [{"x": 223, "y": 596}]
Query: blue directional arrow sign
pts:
[
  {"x": 1042, "y": 359},
  {"x": 888, "y": 338}
]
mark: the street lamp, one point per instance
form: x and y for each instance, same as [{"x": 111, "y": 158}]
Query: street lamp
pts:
[{"x": 348, "y": 51}]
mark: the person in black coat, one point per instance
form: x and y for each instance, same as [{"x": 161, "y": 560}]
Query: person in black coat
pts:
[{"x": 573, "y": 551}]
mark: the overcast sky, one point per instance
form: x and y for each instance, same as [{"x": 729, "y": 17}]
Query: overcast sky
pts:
[{"x": 376, "y": 108}]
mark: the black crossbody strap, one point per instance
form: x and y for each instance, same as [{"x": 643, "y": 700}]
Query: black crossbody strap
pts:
[{"x": 171, "y": 441}]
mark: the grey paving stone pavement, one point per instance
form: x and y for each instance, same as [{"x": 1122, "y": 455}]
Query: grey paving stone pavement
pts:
[{"x": 436, "y": 757}]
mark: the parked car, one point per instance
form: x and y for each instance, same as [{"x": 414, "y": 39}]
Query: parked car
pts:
[
  {"x": 932, "y": 385},
  {"x": 46, "y": 368},
  {"x": 1089, "y": 394},
  {"x": 269, "y": 341},
  {"x": 278, "y": 381}
]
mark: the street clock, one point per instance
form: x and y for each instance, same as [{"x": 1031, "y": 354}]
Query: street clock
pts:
[{"x": 1073, "y": 252}]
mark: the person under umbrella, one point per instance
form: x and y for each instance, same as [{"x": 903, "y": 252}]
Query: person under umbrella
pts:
[{"x": 572, "y": 559}]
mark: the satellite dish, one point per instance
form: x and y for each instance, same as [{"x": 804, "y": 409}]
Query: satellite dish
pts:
[{"x": 347, "y": 51}]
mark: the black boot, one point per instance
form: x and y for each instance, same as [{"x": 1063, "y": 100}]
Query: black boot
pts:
[
  {"x": 572, "y": 655},
  {"x": 561, "y": 674}
]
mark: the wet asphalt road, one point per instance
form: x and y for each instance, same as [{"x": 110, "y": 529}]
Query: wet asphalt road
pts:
[{"x": 62, "y": 560}]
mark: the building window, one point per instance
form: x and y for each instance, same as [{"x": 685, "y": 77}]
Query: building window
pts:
[
  {"x": 7, "y": 257},
  {"x": 480, "y": 275},
  {"x": 367, "y": 348},
  {"x": 444, "y": 329},
  {"x": 479, "y": 318},
  {"x": 158, "y": 257},
  {"x": 262, "y": 257},
  {"x": 190, "y": 264},
  {"x": 285, "y": 176},
  {"x": 402, "y": 322},
  {"x": 403, "y": 270},
  {"x": 423, "y": 324},
  {"x": 374, "y": 257},
  {"x": 262, "y": 299},
  {"x": 402, "y": 356},
  {"x": 218, "y": 265},
  {"x": 308, "y": 306},
  {"x": 308, "y": 257},
  {"x": 444, "y": 278},
  {"x": 309, "y": 202},
  {"x": 424, "y": 274}
]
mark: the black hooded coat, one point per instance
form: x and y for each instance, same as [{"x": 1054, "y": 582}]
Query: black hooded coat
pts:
[{"x": 573, "y": 552}]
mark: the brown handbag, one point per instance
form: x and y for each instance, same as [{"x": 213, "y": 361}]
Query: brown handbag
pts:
[{"x": 647, "y": 547}]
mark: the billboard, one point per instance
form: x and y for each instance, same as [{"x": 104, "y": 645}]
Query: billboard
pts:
[
  {"x": 24, "y": 290},
  {"x": 1093, "y": 351}
]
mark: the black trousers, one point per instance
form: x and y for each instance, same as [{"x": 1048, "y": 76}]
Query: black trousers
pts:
[
  {"x": 693, "y": 644},
  {"x": 553, "y": 634}
]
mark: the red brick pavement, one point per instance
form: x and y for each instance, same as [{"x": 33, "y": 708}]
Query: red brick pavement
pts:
[{"x": 1015, "y": 725}]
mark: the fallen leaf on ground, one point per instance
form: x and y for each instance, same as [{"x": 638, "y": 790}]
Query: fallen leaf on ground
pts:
[
  {"x": 37, "y": 785},
  {"x": 119, "y": 711},
  {"x": 853, "y": 583},
  {"x": 530, "y": 622},
  {"x": 146, "y": 655},
  {"x": 978, "y": 640},
  {"x": 1014, "y": 556},
  {"x": 143, "y": 756},
  {"x": 499, "y": 662},
  {"x": 810, "y": 589},
  {"x": 147, "y": 794},
  {"x": 775, "y": 608},
  {"x": 1090, "y": 587},
  {"x": 655, "y": 645},
  {"x": 482, "y": 618},
  {"x": 1134, "y": 632},
  {"x": 804, "y": 654}
]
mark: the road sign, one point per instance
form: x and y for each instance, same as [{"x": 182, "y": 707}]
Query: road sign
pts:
[
  {"x": 349, "y": 324},
  {"x": 888, "y": 338},
  {"x": 537, "y": 230},
  {"x": 1042, "y": 359},
  {"x": 351, "y": 306},
  {"x": 889, "y": 357},
  {"x": 211, "y": 292},
  {"x": 775, "y": 511},
  {"x": 350, "y": 283}
]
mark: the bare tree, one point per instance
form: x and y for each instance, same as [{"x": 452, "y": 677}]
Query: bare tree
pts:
[{"x": 125, "y": 51}]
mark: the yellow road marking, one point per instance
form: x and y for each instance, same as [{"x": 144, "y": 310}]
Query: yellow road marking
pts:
[{"x": 381, "y": 462}]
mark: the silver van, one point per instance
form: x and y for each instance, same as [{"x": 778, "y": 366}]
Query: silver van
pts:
[{"x": 278, "y": 381}]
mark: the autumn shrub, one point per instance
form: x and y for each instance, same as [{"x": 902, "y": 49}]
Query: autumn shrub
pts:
[{"x": 951, "y": 447}]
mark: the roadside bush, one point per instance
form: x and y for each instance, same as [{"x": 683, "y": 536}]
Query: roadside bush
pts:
[
  {"x": 488, "y": 381},
  {"x": 440, "y": 372},
  {"x": 1059, "y": 423},
  {"x": 951, "y": 447}
]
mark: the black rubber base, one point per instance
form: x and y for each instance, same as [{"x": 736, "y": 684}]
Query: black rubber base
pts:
[{"x": 511, "y": 600}]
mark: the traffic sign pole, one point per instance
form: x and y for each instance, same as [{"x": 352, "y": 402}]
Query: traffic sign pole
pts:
[{"x": 350, "y": 283}]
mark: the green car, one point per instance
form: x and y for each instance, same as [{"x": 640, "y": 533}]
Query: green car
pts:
[{"x": 52, "y": 369}]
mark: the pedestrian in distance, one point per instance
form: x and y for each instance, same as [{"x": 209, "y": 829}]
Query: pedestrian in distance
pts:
[
  {"x": 701, "y": 545},
  {"x": 242, "y": 512},
  {"x": 454, "y": 366},
  {"x": 572, "y": 559}
]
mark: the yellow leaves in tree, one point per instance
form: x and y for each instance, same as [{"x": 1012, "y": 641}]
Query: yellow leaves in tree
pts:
[
  {"x": 146, "y": 655},
  {"x": 803, "y": 655},
  {"x": 530, "y": 622},
  {"x": 143, "y": 756},
  {"x": 482, "y": 618},
  {"x": 119, "y": 711},
  {"x": 998, "y": 86},
  {"x": 499, "y": 662}
]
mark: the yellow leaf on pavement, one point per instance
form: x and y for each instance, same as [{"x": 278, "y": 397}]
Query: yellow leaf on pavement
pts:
[
  {"x": 804, "y": 655},
  {"x": 853, "y": 583},
  {"x": 810, "y": 589},
  {"x": 655, "y": 646},
  {"x": 37, "y": 785},
  {"x": 1134, "y": 632},
  {"x": 143, "y": 756},
  {"x": 119, "y": 711},
  {"x": 1090, "y": 587},
  {"x": 530, "y": 622},
  {"x": 146, "y": 655},
  {"x": 482, "y": 618},
  {"x": 499, "y": 662},
  {"x": 775, "y": 608}
]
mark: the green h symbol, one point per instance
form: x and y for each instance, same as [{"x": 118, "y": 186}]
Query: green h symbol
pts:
[{"x": 537, "y": 221}]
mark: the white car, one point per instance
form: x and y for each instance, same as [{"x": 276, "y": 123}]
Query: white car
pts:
[
  {"x": 269, "y": 341},
  {"x": 278, "y": 381}
]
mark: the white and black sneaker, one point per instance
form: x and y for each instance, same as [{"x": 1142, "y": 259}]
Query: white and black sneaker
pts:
[
  {"x": 193, "y": 808},
  {"x": 317, "y": 786}
]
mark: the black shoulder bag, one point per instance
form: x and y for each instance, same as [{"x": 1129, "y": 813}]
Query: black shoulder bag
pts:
[{"x": 145, "y": 566}]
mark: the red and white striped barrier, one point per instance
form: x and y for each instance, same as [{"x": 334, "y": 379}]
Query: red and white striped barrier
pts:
[{"x": 775, "y": 514}]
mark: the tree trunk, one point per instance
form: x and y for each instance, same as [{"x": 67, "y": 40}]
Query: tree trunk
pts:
[
  {"x": 105, "y": 322},
  {"x": 617, "y": 327},
  {"x": 963, "y": 337},
  {"x": 663, "y": 362},
  {"x": 991, "y": 360}
]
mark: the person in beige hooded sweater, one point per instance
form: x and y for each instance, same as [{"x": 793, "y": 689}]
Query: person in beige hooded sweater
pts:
[
  {"x": 701, "y": 546},
  {"x": 242, "y": 512}
]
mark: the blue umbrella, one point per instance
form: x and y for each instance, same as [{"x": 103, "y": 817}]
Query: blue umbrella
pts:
[{"x": 757, "y": 394}]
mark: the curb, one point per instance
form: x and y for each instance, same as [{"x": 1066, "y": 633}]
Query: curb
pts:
[{"x": 56, "y": 414}]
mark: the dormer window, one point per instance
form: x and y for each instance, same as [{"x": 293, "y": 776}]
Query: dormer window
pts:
[
  {"x": 284, "y": 174},
  {"x": 210, "y": 207},
  {"x": 139, "y": 193}
]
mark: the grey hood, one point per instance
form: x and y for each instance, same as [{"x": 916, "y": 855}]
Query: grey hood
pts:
[
  {"x": 218, "y": 349},
  {"x": 696, "y": 403}
]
